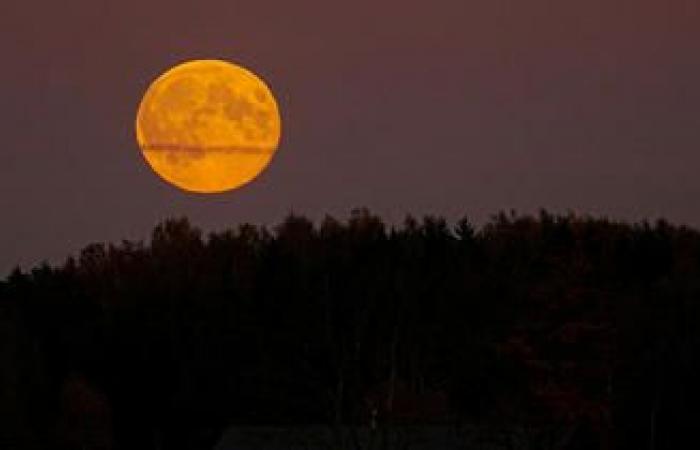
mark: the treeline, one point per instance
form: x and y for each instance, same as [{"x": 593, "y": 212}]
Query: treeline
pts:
[{"x": 551, "y": 322}]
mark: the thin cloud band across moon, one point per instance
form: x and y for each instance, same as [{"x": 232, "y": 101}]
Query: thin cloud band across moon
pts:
[{"x": 208, "y": 126}]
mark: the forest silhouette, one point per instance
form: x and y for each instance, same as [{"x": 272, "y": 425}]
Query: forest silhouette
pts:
[{"x": 582, "y": 329}]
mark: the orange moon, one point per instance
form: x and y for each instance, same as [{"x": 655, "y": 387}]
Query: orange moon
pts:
[{"x": 208, "y": 126}]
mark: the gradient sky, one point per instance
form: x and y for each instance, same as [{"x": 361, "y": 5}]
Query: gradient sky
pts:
[{"x": 447, "y": 107}]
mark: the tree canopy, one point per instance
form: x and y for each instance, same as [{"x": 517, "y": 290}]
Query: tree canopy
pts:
[{"x": 530, "y": 320}]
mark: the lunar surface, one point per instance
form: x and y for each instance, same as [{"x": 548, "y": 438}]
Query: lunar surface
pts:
[{"x": 208, "y": 126}]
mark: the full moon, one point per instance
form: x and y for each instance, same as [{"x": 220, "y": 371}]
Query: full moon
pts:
[{"x": 208, "y": 126}]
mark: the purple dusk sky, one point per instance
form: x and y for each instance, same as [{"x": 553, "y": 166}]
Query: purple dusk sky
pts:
[{"x": 446, "y": 107}]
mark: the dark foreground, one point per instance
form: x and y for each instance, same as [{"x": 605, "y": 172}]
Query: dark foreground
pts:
[
  {"x": 547, "y": 332},
  {"x": 436, "y": 437}
]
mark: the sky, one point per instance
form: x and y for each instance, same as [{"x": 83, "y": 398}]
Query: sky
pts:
[{"x": 463, "y": 107}]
